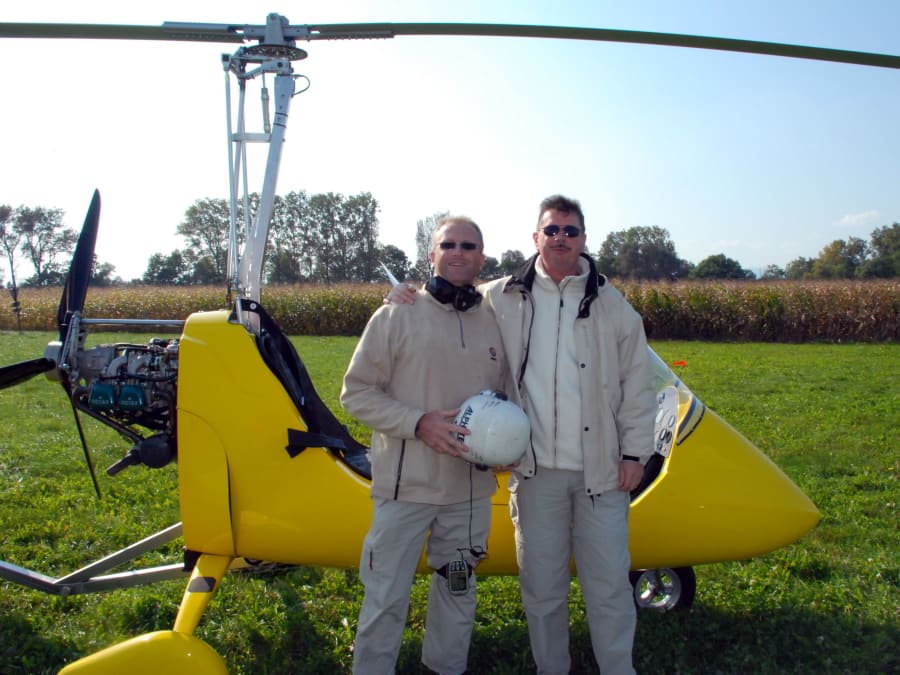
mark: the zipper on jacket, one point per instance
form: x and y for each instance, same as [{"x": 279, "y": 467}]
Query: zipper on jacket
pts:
[
  {"x": 559, "y": 319},
  {"x": 526, "y": 297},
  {"x": 462, "y": 334}
]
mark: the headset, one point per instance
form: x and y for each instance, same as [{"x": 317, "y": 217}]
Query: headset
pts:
[{"x": 461, "y": 297}]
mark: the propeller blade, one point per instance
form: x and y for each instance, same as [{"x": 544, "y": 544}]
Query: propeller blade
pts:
[
  {"x": 286, "y": 34},
  {"x": 25, "y": 370},
  {"x": 75, "y": 289}
]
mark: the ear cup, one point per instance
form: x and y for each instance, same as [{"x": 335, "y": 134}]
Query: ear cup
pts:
[{"x": 461, "y": 297}]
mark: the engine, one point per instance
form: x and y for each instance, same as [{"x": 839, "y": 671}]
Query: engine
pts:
[{"x": 131, "y": 387}]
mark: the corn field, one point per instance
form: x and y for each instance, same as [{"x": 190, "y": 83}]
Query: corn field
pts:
[
  {"x": 774, "y": 311},
  {"x": 746, "y": 311}
]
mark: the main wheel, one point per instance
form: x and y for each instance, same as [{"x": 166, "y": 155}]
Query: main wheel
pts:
[{"x": 664, "y": 589}]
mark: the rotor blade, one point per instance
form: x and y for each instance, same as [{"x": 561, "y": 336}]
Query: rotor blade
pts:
[
  {"x": 190, "y": 32},
  {"x": 25, "y": 370},
  {"x": 203, "y": 32},
  {"x": 75, "y": 290},
  {"x": 389, "y": 30}
]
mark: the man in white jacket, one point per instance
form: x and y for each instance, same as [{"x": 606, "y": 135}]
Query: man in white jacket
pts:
[
  {"x": 412, "y": 368},
  {"x": 580, "y": 360}
]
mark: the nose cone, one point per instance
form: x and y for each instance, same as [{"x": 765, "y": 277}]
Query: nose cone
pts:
[{"x": 717, "y": 498}]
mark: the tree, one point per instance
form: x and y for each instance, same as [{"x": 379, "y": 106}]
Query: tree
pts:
[
  {"x": 326, "y": 238},
  {"x": 720, "y": 267},
  {"x": 396, "y": 261},
  {"x": 293, "y": 240},
  {"x": 170, "y": 269},
  {"x": 424, "y": 230},
  {"x": 200, "y": 271},
  {"x": 347, "y": 237},
  {"x": 283, "y": 268},
  {"x": 510, "y": 261},
  {"x": 360, "y": 224},
  {"x": 799, "y": 269},
  {"x": 773, "y": 272},
  {"x": 640, "y": 253},
  {"x": 44, "y": 241},
  {"x": 332, "y": 264},
  {"x": 206, "y": 227},
  {"x": 884, "y": 254},
  {"x": 491, "y": 269},
  {"x": 103, "y": 274},
  {"x": 840, "y": 259},
  {"x": 10, "y": 238}
]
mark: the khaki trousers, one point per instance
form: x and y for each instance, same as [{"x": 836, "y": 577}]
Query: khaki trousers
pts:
[
  {"x": 390, "y": 555},
  {"x": 554, "y": 520}
]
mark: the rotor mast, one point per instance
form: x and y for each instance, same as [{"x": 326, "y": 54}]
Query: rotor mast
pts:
[{"x": 272, "y": 56}]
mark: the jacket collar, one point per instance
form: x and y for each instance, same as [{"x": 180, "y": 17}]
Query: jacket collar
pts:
[{"x": 522, "y": 280}]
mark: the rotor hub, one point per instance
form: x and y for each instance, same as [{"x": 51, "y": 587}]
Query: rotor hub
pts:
[{"x": 262, "y": 52}]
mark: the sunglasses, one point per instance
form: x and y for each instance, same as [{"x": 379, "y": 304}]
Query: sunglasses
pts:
[
  {"x": 464, "y": 245},
  {"x": 569, "y": 230}
]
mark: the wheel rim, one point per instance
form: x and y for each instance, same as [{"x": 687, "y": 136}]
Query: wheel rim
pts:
[{"x": 658, "y": 589}]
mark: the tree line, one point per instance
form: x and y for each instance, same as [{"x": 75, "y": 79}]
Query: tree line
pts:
[{"x": 332, "y": 238}]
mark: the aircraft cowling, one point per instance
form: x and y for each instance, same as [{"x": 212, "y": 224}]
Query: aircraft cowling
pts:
[
  {"x": 718, "y": 498},
  {"x": 241, "y": 492}
]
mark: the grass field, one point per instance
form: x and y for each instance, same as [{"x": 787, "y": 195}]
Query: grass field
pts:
[{"x": 827, "y": 414}]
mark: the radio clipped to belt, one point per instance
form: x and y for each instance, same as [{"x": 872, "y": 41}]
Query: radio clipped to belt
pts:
[{"x": 457, "y": 574}]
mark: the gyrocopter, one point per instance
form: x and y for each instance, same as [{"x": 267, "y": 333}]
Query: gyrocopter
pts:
[{"x": 265, "y": 469}]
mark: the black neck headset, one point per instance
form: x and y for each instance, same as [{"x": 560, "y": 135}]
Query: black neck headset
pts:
[{"x": 461, "y": 297}]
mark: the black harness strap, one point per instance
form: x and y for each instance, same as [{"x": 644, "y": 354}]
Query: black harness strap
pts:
[{"x": 324, "y": 429}]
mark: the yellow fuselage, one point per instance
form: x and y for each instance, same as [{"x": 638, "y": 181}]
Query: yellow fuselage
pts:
[{"x": 716, "y": 498}]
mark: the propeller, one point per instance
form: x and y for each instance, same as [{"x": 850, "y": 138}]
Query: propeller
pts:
[
  {"x": 68, "y": 317},
  {"x": 71, "y": 305},
  {"x": 75, "y": 290},
  {"x": 278, "y": 33},
  {"x": 25, "y": 370}
]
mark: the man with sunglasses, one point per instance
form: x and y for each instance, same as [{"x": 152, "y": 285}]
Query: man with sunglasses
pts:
[
  {"x": 411, "y": 369},
  {"x": 580, "y": 360}
]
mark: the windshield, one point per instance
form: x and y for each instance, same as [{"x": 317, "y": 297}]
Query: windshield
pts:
[{"x": 679, "y": 409}]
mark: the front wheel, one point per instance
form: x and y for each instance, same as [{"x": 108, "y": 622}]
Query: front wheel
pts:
[{"x": 664, "y": 589}]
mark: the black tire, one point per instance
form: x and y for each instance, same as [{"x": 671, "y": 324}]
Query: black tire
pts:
[{"x": 665, "y": 589}]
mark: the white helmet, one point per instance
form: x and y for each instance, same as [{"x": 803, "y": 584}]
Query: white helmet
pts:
[{"x": 500, "y": 432}]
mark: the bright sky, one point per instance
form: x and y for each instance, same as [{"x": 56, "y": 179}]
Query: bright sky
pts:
[{"x": 764, "y": 159}]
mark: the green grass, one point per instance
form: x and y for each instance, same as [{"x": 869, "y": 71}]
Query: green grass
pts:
[{"x": 827, "y": 414}]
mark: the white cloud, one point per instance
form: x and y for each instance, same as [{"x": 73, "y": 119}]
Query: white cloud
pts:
[{"x": 863, "y": 218}]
